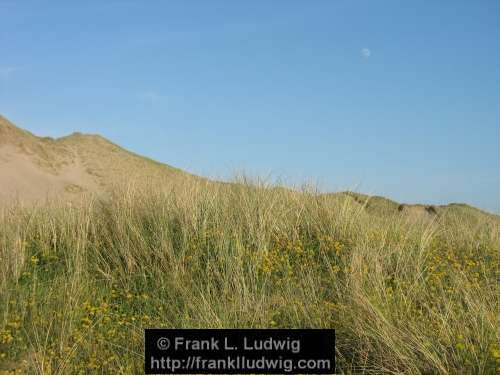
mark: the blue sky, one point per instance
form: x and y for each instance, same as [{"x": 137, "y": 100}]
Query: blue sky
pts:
[{"x": 400, "y": 99}]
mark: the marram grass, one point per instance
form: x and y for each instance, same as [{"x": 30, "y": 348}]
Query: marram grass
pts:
[{"x": 79, "y": 282}]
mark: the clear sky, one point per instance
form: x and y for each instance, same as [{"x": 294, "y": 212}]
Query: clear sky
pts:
[{"x": 394, "y": 98}]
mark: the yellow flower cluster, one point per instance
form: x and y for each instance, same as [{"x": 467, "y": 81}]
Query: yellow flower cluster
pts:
[
  {"x": 285, "y": 258},
  {"x": 6, "y": 336},
  {"x": 332, "y": 245}
]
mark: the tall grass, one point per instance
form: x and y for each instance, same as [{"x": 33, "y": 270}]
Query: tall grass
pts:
[{"x": 79, "y": 282}]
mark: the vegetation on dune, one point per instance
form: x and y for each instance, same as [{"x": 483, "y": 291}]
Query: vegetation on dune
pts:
[
  {"x": 70, "y": 165},
  {"x": 80, "y": 282}
]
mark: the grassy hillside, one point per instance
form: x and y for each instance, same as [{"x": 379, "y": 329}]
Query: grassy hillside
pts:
[{"x": 80, "y": 282}]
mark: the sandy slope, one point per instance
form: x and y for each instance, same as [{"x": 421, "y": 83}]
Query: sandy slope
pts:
[
  {"x": 33, "y": 168},
  {"x": 21, "y": 176}
]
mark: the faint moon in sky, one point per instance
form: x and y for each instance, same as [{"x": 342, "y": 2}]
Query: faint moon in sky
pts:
[{"x": 366, "y": 53}]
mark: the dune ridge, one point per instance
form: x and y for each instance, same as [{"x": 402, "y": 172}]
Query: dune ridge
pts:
[{"x": 34, "y": 168}]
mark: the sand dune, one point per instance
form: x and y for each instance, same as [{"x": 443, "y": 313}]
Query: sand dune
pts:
[
  {"x": 33, "y": 168},
  {"x": 21, "y": 176}
]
